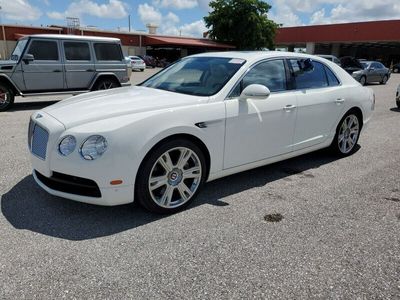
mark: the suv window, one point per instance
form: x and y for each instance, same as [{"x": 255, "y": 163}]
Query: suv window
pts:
[
  {"x": 314, "y": 78},
  {"x": 107, "y": 51},
  {"x": 76, "y": 51},
  {"x": 271, "y": 74},
  {"x": 44, "y": 50}
]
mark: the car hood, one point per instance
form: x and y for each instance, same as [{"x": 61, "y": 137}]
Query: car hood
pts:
[
  {"x": 102, "y": 105},
  {"x": 7, "y": 65}
]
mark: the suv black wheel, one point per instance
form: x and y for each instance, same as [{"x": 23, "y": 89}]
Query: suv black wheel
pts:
[
  {"x": 6, "y": 96},
  {"x": 105, "y": 84},
  {"x": 170, "y": 176}
]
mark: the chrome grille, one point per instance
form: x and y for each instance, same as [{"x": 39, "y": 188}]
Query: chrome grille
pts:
[{"x": 39, "y": 141}]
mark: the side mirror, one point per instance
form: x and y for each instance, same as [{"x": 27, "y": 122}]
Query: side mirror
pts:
[
  {"x": 255, "y": 91},
  {"x": 28, "y": 58}
]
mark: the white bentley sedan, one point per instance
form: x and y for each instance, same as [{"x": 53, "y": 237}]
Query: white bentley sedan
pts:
[{"x": 204, "y": 117}]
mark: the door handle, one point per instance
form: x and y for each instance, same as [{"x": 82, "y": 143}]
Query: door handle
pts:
[
  {"x": 289, "y": 107},
  {"x": 339, "y": 100},
  {"x": 57, "y": 71},
  {"x": 89, "y": 70}
]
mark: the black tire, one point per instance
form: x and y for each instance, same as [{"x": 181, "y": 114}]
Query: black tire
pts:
[
  {"x": 395, "y": 70},
  {"x": 6, "y": 96},
  {"x": 337, "y": 142},
  {"x": 105, "y": 84},
  {"x": 150, "y": 166},
  {"x": 141, "y": 70},
  {"x": 384, "y": 80},
  {"x": 363, "y": 80},
  {"x": 398, "y": 104}
]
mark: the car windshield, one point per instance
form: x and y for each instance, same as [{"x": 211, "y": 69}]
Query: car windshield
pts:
[
  {"x": 19, "y": 48},
  {"x": 199, "y": 76}
]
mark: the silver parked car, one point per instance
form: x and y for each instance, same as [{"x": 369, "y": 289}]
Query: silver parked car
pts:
[
  {"x": 372, "y": 71},
  {"x": 332, "y": 58},
  {"x": 55, "y": 63}
]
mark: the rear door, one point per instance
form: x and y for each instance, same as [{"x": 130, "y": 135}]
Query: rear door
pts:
[
  {"x": 320, "y": 102},
  {"x": 46, "y": 72},
  {"x": 79, "y": 64}
]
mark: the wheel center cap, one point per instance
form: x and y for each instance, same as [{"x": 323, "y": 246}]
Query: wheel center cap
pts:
[{"x": 175, "y": 177}]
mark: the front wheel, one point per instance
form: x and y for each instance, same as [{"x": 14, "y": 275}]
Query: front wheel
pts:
[
  {"x": 6, "y": 97},
  {"x": 384, "y": 79},
  {"x": 170, "y": 176},
  {"x": 363, "y": 80},
  {"x": 347, "y": 135}
]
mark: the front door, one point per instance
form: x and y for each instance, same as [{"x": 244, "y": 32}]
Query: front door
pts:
[
  {"x": 46, "y": 71},
  {"x": 260, "y": 129}
]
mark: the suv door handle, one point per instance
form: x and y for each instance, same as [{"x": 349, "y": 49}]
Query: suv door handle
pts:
[
  {"x": 289, "y": 107},
  {"x": 339, "y": 100},
  {"x": 89, "y": 70},
  {"x": 57, "y": 71}
]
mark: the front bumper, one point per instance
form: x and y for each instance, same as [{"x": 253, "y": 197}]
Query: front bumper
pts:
[
  {"x": 107, "y": 196},
  {"x": 72, "y": 177}
]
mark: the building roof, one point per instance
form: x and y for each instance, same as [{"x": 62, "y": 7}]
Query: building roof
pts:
[
  {"x": 376, "y": 31},
  {"x": 183, "y": 41}
]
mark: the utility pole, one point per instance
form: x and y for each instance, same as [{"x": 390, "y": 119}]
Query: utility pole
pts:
[
  {"x": 4, "y": 36},
  {"x": 129, "y": 22}
]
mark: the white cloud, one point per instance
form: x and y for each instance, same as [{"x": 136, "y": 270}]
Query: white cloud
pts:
[
  {"x": 114, "y": 9},
  {"x": 176, "y": 4},
  {"x": 196, "y": 28},
  {"x": 148, "y": 14},
  {"x": 20, "y": 10}
]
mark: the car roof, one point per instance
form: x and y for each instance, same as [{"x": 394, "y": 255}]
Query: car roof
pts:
[
  {"x": 254, "y": 55},
  {"x": 75, "y": 37}
]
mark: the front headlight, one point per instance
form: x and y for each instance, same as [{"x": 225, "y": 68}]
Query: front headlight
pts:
[
  {"x": 93, "y": 147},
  {"x": 67, "y": 145}
]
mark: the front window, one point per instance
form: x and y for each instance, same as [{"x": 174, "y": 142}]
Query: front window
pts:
[
  {"x": 44, "y": 50},
  {"x": 200, "y": 76},
  {"x": 19, "y": 48}
]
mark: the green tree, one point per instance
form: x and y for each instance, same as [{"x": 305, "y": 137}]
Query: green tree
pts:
[{"x": 243, "y": 23}]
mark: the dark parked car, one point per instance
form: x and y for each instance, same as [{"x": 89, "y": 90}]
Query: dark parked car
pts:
[
  {"x": 149, "y": 60},
  {"x": 396, "y": 68}
]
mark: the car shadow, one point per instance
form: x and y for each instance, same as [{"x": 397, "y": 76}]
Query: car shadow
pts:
[
  {"x": 396, "y": 109},
  {"x": 34, "y": 105},
  {"x": 26, "y": 206}
]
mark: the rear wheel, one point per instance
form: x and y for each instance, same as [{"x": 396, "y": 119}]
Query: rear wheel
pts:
[
  {"x": 171, "y": 176},
  {"x": 347, "y": 134},
  {"x": 6, "y": 97},
  {"x": 105, "y": 84},
  {"x": 396, "y": 70}
]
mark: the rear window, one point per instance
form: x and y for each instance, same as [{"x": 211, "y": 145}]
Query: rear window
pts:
[
  {"x": 76, "y": 51},
  {"x": 313, "y": 78},
  {"x": 108, "y": 51}
]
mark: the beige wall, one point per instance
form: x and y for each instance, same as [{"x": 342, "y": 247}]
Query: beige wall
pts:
[{"x": 6, "y": 49}]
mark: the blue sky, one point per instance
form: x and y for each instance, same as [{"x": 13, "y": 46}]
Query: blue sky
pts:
[{"x": 185, "y": 17}]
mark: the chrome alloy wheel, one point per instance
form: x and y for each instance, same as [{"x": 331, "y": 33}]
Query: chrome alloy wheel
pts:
[
  {"x": 175, "y": 177},
  {"x": 348, "y": 134}
]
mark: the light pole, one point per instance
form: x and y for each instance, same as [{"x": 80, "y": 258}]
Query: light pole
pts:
[{"x": 4, "y": 36}]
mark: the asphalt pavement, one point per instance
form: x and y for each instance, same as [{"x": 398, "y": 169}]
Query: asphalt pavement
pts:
[{"x": 312, "y": 227}]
